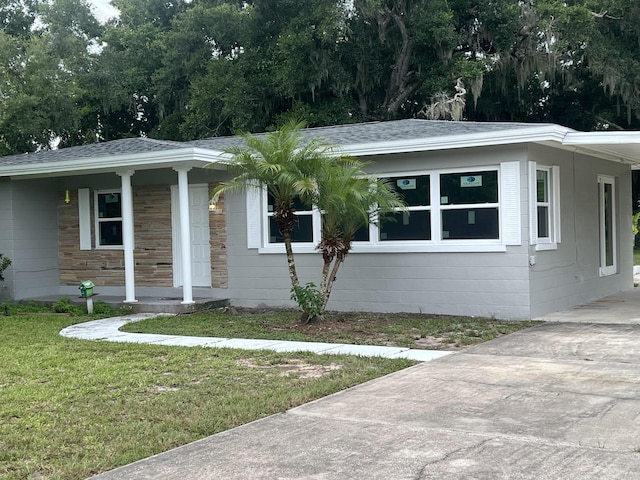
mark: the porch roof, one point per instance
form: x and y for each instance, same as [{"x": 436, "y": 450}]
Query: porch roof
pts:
[{"x": 363, "y": 139}]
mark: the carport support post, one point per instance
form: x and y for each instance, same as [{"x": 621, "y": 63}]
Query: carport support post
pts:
[
  {"x": 127, "y": 236},
  {"x": 185, "y": 234}
]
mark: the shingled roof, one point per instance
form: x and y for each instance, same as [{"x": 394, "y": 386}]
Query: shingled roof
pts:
[
  {"x": 125, "y": 146},
  {"x": 380, "y": 132},
  {"x": 344, "y": 135}
]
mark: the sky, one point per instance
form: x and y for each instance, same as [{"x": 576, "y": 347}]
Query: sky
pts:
[{"x": 102, "y": 9}]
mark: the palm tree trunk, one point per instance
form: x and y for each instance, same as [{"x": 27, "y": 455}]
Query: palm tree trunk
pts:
[
  {"x": 293, "y": 275},
  {"x": 326, "y": 292}
]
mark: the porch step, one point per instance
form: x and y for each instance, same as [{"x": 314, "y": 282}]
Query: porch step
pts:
[{"x": 175, "y": 305}]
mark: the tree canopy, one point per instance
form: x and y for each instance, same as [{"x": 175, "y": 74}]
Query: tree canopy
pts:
[{"x": 191, "y": 69}]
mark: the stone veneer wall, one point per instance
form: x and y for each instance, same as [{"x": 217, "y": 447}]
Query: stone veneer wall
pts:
[{"x": 153, "y": 247}]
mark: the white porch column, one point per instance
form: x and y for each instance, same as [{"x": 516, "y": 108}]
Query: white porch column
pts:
[
  {"x": 185, "y": 234},
  {"x": 127, "y": 236}
]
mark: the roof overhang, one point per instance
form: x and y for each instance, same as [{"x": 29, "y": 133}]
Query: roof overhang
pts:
[
  {"x": 178, "y": 158},
  {"x": 617, "y": 146},
  {"x": 547, "y": 133}
]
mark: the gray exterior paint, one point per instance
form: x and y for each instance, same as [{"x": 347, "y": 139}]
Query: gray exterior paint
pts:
[
  {"x": 6, "y": 236},
  {"x": 31, "y": 241},
  {"x": 492, "y": 284},
  {"x": 570, "y": 275}
]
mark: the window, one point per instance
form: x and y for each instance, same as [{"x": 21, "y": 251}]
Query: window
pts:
[
  {"x": 607, "y": 214},
  {"x": 303, "y": 223},
  {"x": 108, "y": 206},
  {"x": 415, "y": 222},
  {"x": 469, "y": 205},
  {"x": 545, "y": 206},
  {"x": 464, "y": 210}
]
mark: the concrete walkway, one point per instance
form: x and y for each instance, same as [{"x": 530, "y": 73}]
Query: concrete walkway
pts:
[
  {"x": 556, "y": 401},
  {"x": 107, "y": 329}
]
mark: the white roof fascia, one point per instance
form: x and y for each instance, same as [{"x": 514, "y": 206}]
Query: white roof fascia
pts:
[
  {"x": 602, "y": 138},
  {"x": 554, "y": 133},
  {"x": 193, "y": 156}
]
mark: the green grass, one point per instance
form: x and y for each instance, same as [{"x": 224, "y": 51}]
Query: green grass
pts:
[
  {"x": 405, "y": 330},
  {"x": 71, "y": 408},
  {"x": 636, "y": 256}
]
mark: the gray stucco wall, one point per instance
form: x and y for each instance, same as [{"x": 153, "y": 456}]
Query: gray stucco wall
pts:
[
  {"x": 570, "y": 275},
  {"x": 6, "y": 236},
  {"x": 470, "y": 283},
  {"x": 35, "y": 238}
]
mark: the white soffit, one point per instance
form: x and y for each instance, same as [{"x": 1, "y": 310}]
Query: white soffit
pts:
[{"x": 619, "y": 146}]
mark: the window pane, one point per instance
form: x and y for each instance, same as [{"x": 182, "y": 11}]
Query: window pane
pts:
[
  {"x": 298, "y": 206},
  {"x": 109, "y": 205},
  {"x": 302, "y": 230},
  {"x": 470, "y": 223},
  {"x": 413, "y": 189},
  {"x": 543, "y": 222},
  {"x": 361, "y": 235},
  {"x": 608, "y": 224},
  {"x": 542, "y": 182},
  {"x": 469, "y": 187},
  {"x": 406, "y": 226},
  {"x": 110, "y": 233}
]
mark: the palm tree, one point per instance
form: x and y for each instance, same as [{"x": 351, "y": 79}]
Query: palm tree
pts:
[
  {"x": 286, "y": 166},
  {"x": 350, "y": 200},
  {"x": 318, "y": 175}
]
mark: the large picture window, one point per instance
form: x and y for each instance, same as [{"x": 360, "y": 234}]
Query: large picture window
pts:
[
  {"x": 449, "y": 210},
  {"x": 108, "y": 208}
]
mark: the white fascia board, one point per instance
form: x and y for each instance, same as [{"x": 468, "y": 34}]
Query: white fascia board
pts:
[
  {"x": 545, "y": 133},
  {"x": 602, "y": 138},
  {"x": 192, "y": 156}
]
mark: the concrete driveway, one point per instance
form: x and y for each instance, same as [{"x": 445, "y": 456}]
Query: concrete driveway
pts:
[{"x": 557, "y": 401}]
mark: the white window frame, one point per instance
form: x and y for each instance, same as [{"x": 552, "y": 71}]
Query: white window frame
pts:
[
  {"x": 606, "y": 270},
  {"x": 98, "y": 220},
  {"x": 508, "y": 212},
  {"x": 553, "y": 203}
]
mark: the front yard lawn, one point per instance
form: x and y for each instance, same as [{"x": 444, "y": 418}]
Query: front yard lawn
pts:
[{"x": 73, "y": 408}]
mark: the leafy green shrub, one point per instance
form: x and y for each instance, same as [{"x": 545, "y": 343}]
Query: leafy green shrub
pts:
[
  {"x": 308, "y": 299},
  {"x": 4, "y": 264},
  {"x": 102, "y": 308},
  {"x": 64, "y": 305}
]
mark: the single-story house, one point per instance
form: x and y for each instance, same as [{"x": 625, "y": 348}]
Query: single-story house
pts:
[{"x": 509, "y": 220}]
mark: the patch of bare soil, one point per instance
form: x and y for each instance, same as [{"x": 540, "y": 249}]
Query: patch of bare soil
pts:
[{"x": 297, "y": 368}]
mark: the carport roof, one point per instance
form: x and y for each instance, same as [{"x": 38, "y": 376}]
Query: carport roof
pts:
[{"x": 362, "y": 139}]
